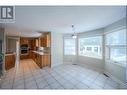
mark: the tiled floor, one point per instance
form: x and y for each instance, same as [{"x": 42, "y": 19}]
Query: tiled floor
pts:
[{"x": 29, "y": 76}]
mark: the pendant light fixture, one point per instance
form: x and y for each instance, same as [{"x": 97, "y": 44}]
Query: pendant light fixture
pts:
[{"x": 74, "y": 36}]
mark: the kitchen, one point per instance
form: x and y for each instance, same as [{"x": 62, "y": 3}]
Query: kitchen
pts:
[{"x": 38, "y": 49}]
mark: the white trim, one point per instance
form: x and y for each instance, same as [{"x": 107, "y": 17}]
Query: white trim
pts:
[
  {"x": 114, "y": 30},
  {"x": 97, "y": 69},
  {"x": 91, "y": 57},
  {"x": 64, "y": 38},
  {"x": 116, "y": 46},
  {"x": 115, "y": 79},
  {"x": 91, "y": 37}
]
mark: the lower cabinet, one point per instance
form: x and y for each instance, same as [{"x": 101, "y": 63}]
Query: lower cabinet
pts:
[
  {"x": 45, "y": 60},
  {"x": 42, "y": 60},
  {"x": 24, "y": 56},
  {"x": 9, "y": 62}
]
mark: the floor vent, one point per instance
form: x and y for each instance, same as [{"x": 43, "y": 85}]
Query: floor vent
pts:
[
  {"x": 74, "y": 64},
  {"x": 105, "y": 75}
]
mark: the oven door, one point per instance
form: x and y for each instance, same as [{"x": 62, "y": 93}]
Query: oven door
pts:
[{"x": 24, "y": 51}]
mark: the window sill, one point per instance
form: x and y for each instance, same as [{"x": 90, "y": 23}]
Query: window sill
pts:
[
  {"x": 91, "y": 57},
  {"x": 116, "y": 63}
]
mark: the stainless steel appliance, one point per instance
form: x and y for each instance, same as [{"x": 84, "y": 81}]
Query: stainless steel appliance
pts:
[{"x": 24, "y": 49}]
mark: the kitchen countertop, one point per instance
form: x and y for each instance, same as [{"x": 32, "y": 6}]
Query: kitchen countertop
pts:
[{"x": 41, "y": 53}]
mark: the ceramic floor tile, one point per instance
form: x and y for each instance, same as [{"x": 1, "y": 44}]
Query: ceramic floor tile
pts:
[
  {"x": 95, "y": 86},
  {"x": 41, "y": 85},
  {"x": 29, "y": 76},
  {"x": 68, "y": 86},
  {"x": 81, "y": 86},
  {"x": 31, "y": 85},
  {"x": 47, "y": 87},
  {"x": 55, "y": 85},
  {"x": 18, "y": 86}
]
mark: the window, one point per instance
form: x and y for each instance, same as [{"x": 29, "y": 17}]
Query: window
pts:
[
  {"x": 69, "y": 46},
  {"x": 95, "y": 49},
  {"x": 116, "y": 47},
  {"x": 90, "y": 46}
]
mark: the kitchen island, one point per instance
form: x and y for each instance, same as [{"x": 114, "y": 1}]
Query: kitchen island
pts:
[{"x": 42, "y": 59}]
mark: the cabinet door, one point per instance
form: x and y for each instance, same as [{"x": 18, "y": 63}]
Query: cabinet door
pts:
[
  {"x": 30, "y": 54},
  {"x": 49, "y": 40},
  {"x": 37, "y": 42},
  {"x": 31, "y": 44},
  {"x": 48, "y": 60},
  {"x": 24, "y": 41},
  {"x": 43, "y": 42},
  {"x": 42, "y": 61},
  {"x": 9, "y": 62}
]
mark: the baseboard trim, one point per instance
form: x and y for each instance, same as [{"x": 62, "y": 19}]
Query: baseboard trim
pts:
[
  {"x": 100, "y": 70},
  {"x": 115, "y": 79}
]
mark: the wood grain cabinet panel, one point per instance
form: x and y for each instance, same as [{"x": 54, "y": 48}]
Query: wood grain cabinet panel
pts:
[
  {"x": 42, "y": 60},
  {"x": 45, "y": 41},
  {"x": 24, "y": 41},
  {"x": 9, "y": 61}
]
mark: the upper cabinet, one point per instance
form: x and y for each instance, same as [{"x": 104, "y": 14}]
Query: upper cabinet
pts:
[
  {"x": 31, "y": 44},
  {"x": 44, "y": 41},
  {"x": 49, "y": 40},
  {"x": 37, "y": 42},
  {"x": 24, "y": 41}
]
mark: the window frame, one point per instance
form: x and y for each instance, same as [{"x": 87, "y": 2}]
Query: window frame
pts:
[
  {"x": 109, "y": 47},
  {"x": 64, "y": 47},
  {"x": 93, "y": 48}
]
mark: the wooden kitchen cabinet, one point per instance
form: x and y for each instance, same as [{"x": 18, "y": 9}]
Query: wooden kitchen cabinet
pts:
[
  {"x": 37, "y": 42},
  {"x": 45, "y": 41},
  {"x": 42, "y": 60},
  {"x": 45, "y": 60},
  {"x": 48, "y": 40},
  {"x": 24, "y": 41},
  {"x": 31, "y": 54},
  {"x": 24, "y": 56},
  {"x": 38, "y": 60},
  {"x": 9, "y": 61},
  {"x": 31, "y": 44}
]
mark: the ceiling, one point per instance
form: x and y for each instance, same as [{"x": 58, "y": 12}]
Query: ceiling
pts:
[{"x": 31, "y": 19}]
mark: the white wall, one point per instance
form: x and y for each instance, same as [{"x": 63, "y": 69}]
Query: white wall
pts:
[
  {"x": 56, "y": 49},
  {"x": 115, "y": 70},
  {"x": 70, "y": 59}
]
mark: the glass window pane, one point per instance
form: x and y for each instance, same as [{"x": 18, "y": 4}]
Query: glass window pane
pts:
[
  {"x": 118, "y": 55},
  {"x": 116, "y": 38},
  {"x": 69, "y": 46},
  {"x": 91, "y": 46},
  {"x": 116, "y": 47}
]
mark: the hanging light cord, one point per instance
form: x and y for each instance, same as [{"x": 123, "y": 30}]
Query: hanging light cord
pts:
[{"x": 73, "y": 29}]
